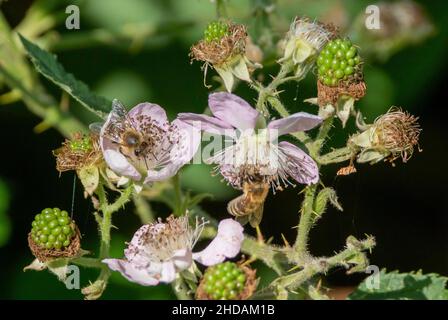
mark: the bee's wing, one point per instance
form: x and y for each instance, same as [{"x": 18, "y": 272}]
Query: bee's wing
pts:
[
  {"x": 242, "y": 220},
  {"x": 256, "y": 216},
  {"x": 117, "y": 122},
  {"x": 95, "y": 127}
]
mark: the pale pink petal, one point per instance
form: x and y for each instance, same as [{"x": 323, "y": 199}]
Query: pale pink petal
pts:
[
  {"x": 188, "y": 139},
  {"x": 300, "y": 166},
  {"x": 227, "y": 244},
  {"x": 168, "y": 272},
  {"x": 300, "y": 121},
  {"x": 130, "y": 272},
  {"x": 148, "y": 110},
  {"x": 120, "y": 164},
  {"x": 166, "y": 172},
  {"x": 206, "y": 123},
  {"x": 182, "y": 259},
  {"x": 233, "y": 110}
]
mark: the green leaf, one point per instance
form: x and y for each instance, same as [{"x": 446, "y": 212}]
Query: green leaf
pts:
[
  {"x": 47, "y": 64},
  {"x": 402, "y": 286},
  {"x": 5, "y": 223}
]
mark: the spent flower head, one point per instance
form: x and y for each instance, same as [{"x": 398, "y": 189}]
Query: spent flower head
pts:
[
  {"x": 79, "y": 152},
  {"x": 393, "y": 135}
]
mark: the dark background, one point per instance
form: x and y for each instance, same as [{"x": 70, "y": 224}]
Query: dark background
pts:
[{"x": 404, "y": 207}]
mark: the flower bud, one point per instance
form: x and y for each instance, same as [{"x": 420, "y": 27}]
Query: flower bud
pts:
[
  {"x": 223, "y": 48},
  {"x": 227, "y": 281},
  {"x": 393, "y": 135},
  {"x": 54, "y": 235}
]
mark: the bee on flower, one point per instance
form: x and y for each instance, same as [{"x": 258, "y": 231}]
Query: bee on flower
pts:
[
  {"x": 254, "y": 161},
  {"x": 143, "y": 145}
]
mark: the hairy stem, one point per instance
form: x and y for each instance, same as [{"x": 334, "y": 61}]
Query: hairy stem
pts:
[
  {"x": 336, "y": 156},
  {"x": 305, "y": 223}
]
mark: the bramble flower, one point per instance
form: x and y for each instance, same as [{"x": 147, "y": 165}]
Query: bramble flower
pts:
[
  {"x": 304, "y": 41},
  {"x": 160, "y": 250},
  {"x": 392, "y": 135},
  {"x": 223, "y": 48},
  {"x": 143, "y": 146},
  {"x": 256, "y": 156}
]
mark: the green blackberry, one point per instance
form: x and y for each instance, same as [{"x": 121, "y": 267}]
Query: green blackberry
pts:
[
  {"x": 338, "y": 60},
  {"x": 224, "y": 281},
  {"x": 52, "y": 229},
  {"x": 215, "y": 31},
  {"x": 84, "y": 144}
]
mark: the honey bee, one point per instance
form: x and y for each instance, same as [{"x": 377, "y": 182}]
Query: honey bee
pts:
[
  {"x": 249, "y": 206},
  {"x": 122, "y": 131}
]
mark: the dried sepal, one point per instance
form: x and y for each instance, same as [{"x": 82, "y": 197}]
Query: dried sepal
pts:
[
  {"x": 218, "y": 52},
  {"x": 330, "y": 95},
  {"x": 70, "y": 157}
]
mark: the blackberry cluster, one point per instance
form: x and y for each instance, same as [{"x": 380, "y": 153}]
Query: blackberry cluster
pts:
[
  {"x": 52, "y": 229},
  {"x": 215, "y": 31},
  {"x": 224, "y": 281},
  {"x": 337, "y": 61}
]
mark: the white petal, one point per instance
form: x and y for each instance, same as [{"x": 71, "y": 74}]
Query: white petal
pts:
[
  {"x": 120, "y": 165},
  {"x": 130, "y": 272},
  {"x": 301, "y": 166},
  {"x": 182, "y": 259},
  {"x": 233, "y": 110},
  {"x": 300, "y": 121},
  {"x": 168, "y": 272},
  {"x": 151, "y": 110},
  {"x": 227, "y": 244},
  {"x": 227, "y": 76}
]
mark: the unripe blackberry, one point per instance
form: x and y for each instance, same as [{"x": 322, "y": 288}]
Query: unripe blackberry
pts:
[
  {"x": 215, "y": 31},
  {"x": 338, "y": 60},
  {"x": 53, "y": 235},
  {"x": 83, "y": 145},
  {"x": 227, "y": 281}
]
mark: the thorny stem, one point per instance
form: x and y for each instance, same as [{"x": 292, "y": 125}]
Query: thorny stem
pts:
[
  {"x": 305, "y": 223},
  {"x": 321, "y": 265},
  {"x": 105, "y": 225},
  {"x": 336, "y": 156}
]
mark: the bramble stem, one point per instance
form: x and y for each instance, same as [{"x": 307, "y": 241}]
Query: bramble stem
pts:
[
  {"x": 305, "y": 223},
  {"x": 105, "y": 224},
  {"x": 181, "y": 289},
  {"x": 321, "y": 265},
  {"x": 336, "y": 156}
]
